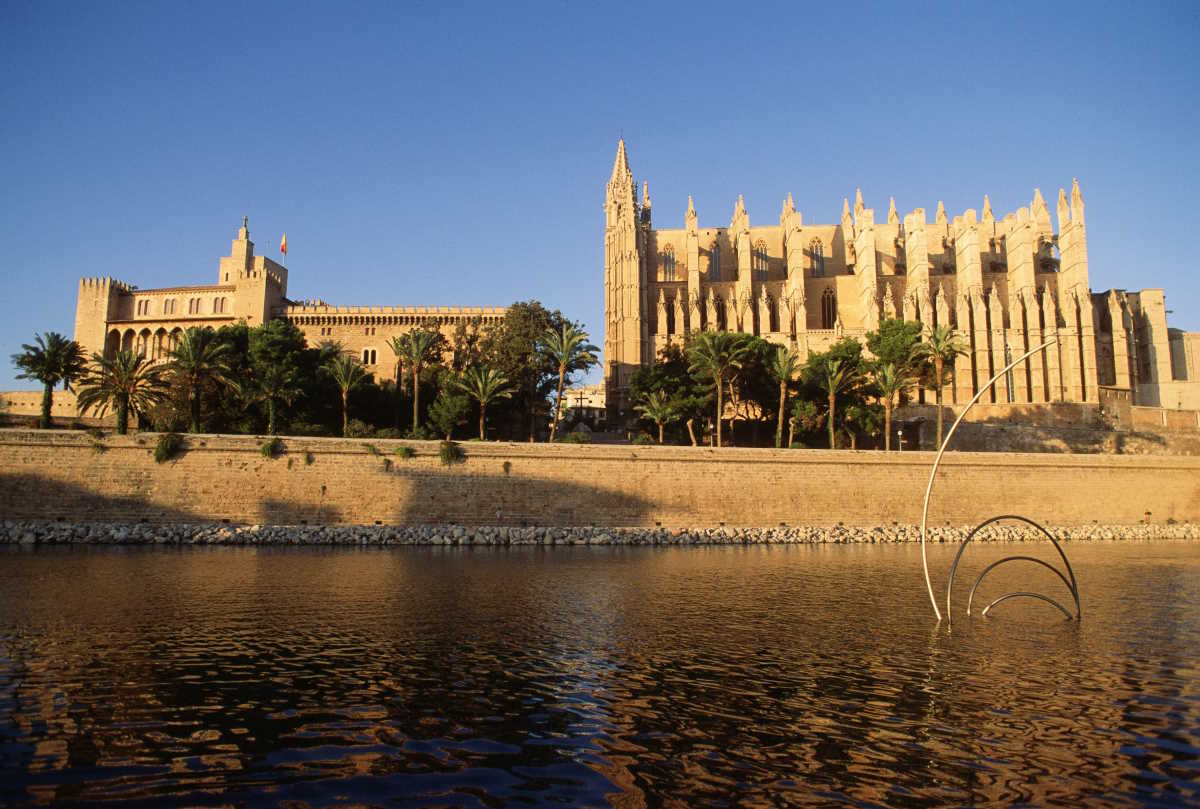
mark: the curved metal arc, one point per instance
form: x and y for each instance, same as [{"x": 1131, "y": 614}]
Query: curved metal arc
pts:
[
  {"x": 1039, "y": 596},
  {"x": 938, "y": 460},
  {"x": 1071, "y": 585},
  {"x": 1034, "y": 559}
]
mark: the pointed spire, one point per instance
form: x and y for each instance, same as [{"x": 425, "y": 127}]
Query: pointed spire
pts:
[
  {"x": 621, "y": 163},
  {"x": 1076, "y": 202},
  {"x": 741, "y": 206},
  {"x": 1064, "y": 209},
  {"x": 940, "y": 218},
  {"x": 846, "y": 221},
  {"x": 690, "y": 217},
  {"x": 893, "y": 217},
  {"x": 645, "y": 194},
  {"x": 988, "y": 216},
  {"x": 858, "y": 203}
]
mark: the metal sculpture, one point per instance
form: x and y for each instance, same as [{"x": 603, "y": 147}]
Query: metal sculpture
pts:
[{"x": 1068, "y": 579}]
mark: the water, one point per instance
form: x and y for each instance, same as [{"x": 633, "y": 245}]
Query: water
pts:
[{"x": 592, "y": 676}]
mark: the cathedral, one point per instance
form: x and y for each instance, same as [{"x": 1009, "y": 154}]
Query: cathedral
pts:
[{"x": 1006, "y": 284}]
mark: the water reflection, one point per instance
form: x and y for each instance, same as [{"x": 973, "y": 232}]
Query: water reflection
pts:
[{"x": 594, "y": 676}]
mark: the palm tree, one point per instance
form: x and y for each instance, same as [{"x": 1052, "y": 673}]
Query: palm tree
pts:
[
  {"x": 397, "y": 344},
  {"x": 783, "y": 367},
  {"x": 347, "y": 373},
  {"x": 198, "y": 362},
  {"x": 571, "y": 351},
  {"x": 274, "y": 384},
  {"x": 891, "y": 378},
  {"x": 418, "y": 347},
  {"x": 715, "y": 355},
  {"x": 484, "y": 385},
  {"x": 940, "y": 350},
  {"x": 126, "y": 382},
  {"x": 838, "y": 378},
  {"x": 53, "y": 359},
  {"x": 659, "y": 408}
]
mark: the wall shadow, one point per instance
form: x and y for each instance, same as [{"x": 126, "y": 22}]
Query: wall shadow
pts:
[{"x": 25, "y": 496}]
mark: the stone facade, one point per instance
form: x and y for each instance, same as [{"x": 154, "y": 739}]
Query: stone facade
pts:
[
  {"x": 111, "y": 315},
  {"x": 1006, "y": 284}
]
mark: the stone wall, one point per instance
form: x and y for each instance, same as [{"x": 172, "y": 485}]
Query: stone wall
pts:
[{"x": 73, "y": 476}]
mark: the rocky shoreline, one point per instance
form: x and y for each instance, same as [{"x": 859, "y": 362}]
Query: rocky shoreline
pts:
[{"x": 35, "y": 532}]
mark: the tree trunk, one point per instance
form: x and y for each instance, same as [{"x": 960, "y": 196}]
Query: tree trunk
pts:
[
  {"x": 937, "y": 365},
  {"x": 47, "y": 401},
  {"x": 345, "y": 411},
  {"x": 782, "y": 408},
  {"x": 691, "y": 424},
  {"x": 660, "y": 432},
  {"x": 122, "y": 416},
  {"x": 791, "y": 432},
  {"x": 887, "y": 424},
  {"x": 416, "y": 397},
  {"x": 399, "y": 388},
  {"x": 195, "y": 410},
  {"x": 270, "y": 416},
  {"x": 831, "y": 406},
  {"x": 720, "y": 409},
  {"x": 482, "y": 416},
  {"x": 562, "y": 374}
]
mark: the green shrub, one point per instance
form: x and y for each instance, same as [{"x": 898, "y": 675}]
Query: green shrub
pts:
[
  {"x": 577, "y": 438},
  {"x": 404, "y": 452},
  {"x": 451, "y": 453},
  {"x": 643, "y": 440},
  {"x": 272, "y": 448},
  {"x": 309, "y": 458},
  {"x": 371, "y": 449},
  {"x": 389, "y": 432},
  {"x": 96, "y": 433},
  {"x": 420, "y": 434},
  {"x": 168, "y": 447},
  {"x": 305, "y": 428},
  {"x": 359, "y": 429}
]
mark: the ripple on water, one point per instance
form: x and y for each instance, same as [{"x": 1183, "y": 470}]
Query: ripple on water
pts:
[{"x": 591, "y": 676}]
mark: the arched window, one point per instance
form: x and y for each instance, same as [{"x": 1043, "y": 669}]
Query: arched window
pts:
[
  {"x": 760, "y": 261},
  {"x": 668, "y": 263},
  {"x": 366, "y": 356},
  {"x": 372, "y": 356},
  {"x": 714, "y": 263},
  {"x": 828, "y": 309},
  {"x": 816, "y": 258}
]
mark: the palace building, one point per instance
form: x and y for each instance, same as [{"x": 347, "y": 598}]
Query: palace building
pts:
[
  {"x": 112, "y": 315},
  {"x": 1005, "y": 283}
]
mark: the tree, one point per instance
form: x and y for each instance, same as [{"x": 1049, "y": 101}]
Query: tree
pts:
[
  {"x": 659, "y": 408},
  {"x": 199, "y": 362},
  {"x": 52, "y": 359},
  {"x": 570, "y": 350},
  {"x": 347, "y": 373},
  {"x": 670, "y": 374},
  {"x": 939, "y": 353},
  {"x": 397, "y": 344},
  {"x": 838, "y": 377},
  {"x": 126, "y": 382},
  {"x": 784, "y": 365},
  {"x": 419, "y": 347},
  {"x": 513, "y": 348},
  {"x": 714, "y": 355},
  {"x": 484, "y": 385},
  {"x": 449, "y": 409},
  {"x": 890, "y": 379},
  {"x": 895, "y": 341},
  {"x": 276, "y": 352}
]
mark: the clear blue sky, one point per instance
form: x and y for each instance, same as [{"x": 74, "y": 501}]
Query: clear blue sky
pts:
[{"x": 457, "y": 154}]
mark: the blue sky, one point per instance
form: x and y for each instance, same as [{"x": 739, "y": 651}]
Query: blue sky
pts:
[{"x": 438, "y": 154}]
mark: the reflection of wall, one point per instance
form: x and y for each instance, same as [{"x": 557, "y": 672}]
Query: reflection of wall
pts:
[{"x": 342, "y": 481}]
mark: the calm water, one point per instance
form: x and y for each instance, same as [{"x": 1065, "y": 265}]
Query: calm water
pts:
[{"x": 592, "y": 676}]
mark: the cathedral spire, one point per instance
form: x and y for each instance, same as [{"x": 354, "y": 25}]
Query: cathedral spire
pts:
[
  {"x": 893, "y": 217},
  {"x": 620, "y": 164},
  {"x": 690, "y": 217},
  {"x": 1076, "y": 202},
  {"x": 987, "y": 215},
  {"x": 940, "y": 217},
  {"x": 858, "y": 203},
  {"x": 846, "y": 221},
  {"x": 645, "y": 194}
]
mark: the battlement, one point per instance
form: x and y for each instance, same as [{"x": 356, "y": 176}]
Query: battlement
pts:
[
  {"x": 321, "y": 308},
  {"x": 96, "y": 283}
]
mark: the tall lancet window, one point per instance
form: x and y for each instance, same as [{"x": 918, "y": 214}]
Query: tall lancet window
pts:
[
  {"x": 714, "y": 263},
  {"x": 828, "y": 309},
  {"x": 668, "y": 263},
  {"x": 760, "y": 261},
  {"x": 816, "y": 258}
]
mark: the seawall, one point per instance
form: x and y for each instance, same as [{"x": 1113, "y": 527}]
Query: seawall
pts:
[{"x": 74, "y": 477}]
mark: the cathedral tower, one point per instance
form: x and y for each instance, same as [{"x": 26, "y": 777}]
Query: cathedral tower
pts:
[{"x": 625, "y": 338}]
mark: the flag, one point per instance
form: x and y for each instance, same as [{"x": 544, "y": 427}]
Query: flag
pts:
[{"x": 283, "y": 245}]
